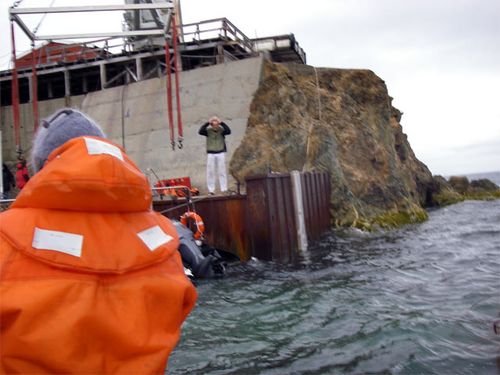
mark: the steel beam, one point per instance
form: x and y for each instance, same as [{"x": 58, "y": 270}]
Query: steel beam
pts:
[
  {"x": 54, "y": 68},
  {"x": 15, "y": 90},
  {"x": 34, "y": 88},
  {"x": 23, "y": 27},
  {"x": 91, "y": 8},
  {"x": 15, "y": 12},
  {"x": 116, "y": 34}
]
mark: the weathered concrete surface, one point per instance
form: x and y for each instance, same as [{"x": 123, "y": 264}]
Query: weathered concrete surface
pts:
[
  {"x": 45, "y": 108},
  {"x": 135, "y": 116}
]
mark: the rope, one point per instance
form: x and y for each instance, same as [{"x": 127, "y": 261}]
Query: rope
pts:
[
  {"x": 309, "y": 132},
  {"x": 319, "y": 94},
  {"x": 35, "y": 30},
  {"x": 124, "y": 88}
]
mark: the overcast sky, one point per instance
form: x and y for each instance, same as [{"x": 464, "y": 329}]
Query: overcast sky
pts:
[{"x": 440, "y": 59}]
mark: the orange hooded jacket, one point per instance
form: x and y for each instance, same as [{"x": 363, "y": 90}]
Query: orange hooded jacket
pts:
[{"x": 91, "y": 279}]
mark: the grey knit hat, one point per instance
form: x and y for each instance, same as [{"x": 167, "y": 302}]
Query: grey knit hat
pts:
[{"x": 63, "y": 125}]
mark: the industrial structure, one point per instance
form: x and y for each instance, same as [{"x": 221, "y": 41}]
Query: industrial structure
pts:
[
  {"x": 132, "y": 83},
  {"x": 155, "y": 43}
]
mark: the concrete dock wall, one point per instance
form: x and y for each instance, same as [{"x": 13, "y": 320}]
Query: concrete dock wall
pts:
[
  {"x": 45, "y": 108},
  {"x": 135, "y": 116}
]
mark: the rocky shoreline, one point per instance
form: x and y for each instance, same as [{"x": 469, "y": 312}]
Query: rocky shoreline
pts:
[
  {"x": 342, "y": 121},
  {"x": 459, "y": 188}
]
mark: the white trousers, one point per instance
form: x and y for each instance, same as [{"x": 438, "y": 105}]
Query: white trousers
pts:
[{"x": 216, "y": 161}]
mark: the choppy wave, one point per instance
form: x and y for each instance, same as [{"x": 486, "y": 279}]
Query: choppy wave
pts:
[{"x": 420, "y": 300}]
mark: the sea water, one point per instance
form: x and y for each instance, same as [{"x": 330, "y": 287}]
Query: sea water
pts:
[{"x": 418, "y": 300}]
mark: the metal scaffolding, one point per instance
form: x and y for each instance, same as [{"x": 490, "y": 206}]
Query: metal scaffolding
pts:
[{"x": 168, "y": 31}]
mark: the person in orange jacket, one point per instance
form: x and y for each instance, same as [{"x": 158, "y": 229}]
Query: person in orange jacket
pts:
[{"x": 91, "y": 279}]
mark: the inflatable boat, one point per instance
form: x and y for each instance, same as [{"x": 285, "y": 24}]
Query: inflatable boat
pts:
[{"x": 200, "y": 260}]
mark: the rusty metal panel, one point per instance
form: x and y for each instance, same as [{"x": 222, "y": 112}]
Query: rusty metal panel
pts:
[
  {"x": 324, "y": 201},
  {"x": 271, "y": 220},
  {"x": 310, "y": 197},
  {"x": 283, "y": 220},
  {"x": 262, "y": 223},
  {"x": 308, "y": 206},
  {"x": 305, "y": 202},
  {"x": 224, "y": 218},
  {"x": 327, "y": 200},
  {"x": 316, "y": 196},
  {"x": 320, "y": 203},
  {"x": 258, "y": 218}
]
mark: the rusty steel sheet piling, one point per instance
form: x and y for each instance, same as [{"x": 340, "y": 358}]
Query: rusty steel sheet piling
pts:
[
  {"x": 270, "y": 219},
  {"x": 261, "y": 223},
  {"x": 224, "y": 218},
  {"x": 316, "y": 190}
]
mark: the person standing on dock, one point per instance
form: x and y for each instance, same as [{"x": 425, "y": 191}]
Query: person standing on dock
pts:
[
  {"x": 91, "y": 279},
  {"x": 215, "y": 130}
]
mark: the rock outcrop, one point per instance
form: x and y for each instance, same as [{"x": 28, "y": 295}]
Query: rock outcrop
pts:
[
  {"x": 343, "y": 122},
  {"x": 458, "y": 188}
]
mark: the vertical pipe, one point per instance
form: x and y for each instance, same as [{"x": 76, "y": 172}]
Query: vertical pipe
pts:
[
  {"x": 299, "y": 210},
  {"x": 15, "y": 90},
  {"x": 102, "y": 73},
  {"x": 178, "y": 19},
  {"x": 85, "y": 86},
  {"x": 169, "y": 94},
  {"x": 123, "y": 116},
  {"x": 177, "y": 92},
  {"x": 67, "y": 88},
  {"x": 138, "y": 68},
  {"x": 34, "y": 87}
]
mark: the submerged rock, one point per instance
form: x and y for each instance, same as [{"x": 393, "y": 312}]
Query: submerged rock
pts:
[{"x": 341, "y": 121}]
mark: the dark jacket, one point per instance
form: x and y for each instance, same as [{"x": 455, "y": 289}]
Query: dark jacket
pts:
[
  {"x": 216, "y": 142},
  {"x": 8, "y": 179}
]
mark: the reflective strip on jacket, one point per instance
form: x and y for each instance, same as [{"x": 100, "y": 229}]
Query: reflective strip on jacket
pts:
[{"x": 91, "y": 279}]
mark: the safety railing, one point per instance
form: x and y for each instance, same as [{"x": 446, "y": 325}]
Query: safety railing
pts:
[
  {"x": 5, "y": 204},
  {"x": 278, "y": 42},
  {"x": 62, "y": 53},
  {"x": 216, "y": 29}
]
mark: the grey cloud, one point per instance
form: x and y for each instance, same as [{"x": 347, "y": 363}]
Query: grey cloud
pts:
[{"x": 456, "y": 33}]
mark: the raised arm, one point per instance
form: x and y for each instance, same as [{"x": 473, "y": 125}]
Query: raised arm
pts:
[
  {"x": 203, "y": 129},
  {"x": 226, "y": 128}
]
